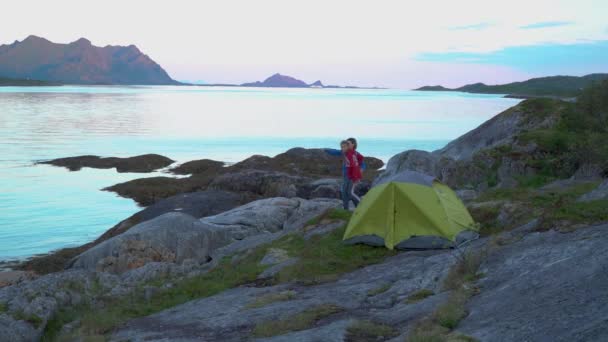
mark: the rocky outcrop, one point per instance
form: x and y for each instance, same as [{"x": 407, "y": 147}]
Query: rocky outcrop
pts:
[
  {"x": 288, "y": 174},
  {"x": 142, "y": 163},
  {"x": 198, "y": 167},
  {"x": 79, "y": 62},
  {"x": 196, "y": 204},
  {"x": 547, "y": 287},
  {"x": 503, "y": 129},
  {"x": 177, "y": 237},
  {"x": 495, "y": 154}
]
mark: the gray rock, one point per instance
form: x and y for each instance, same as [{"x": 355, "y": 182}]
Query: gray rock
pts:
[
  {"x": 332, "y": 332},
  {"x": 467, "y": 195},
  {"x": 17, "y": 331},
  {"x": 599, "y": 193},
  {"x": 412, "y": 160},
  {"x": 42, "y": 297},
  {"x": 276, "y": 268},
  {"x": 172, "y": 237},
  {"x": 176, "y": 237},
  {"x": 274, "y": 256},
  {"x": 260, "y": 183},
  {"x": 546, "y": 287}
]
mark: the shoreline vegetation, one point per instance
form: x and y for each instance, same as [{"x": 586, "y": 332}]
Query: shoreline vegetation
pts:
[
  {"x": 11, "y": 82},
  {"x": 556, "y": 87},
  {"x": 264, "y": 255}
]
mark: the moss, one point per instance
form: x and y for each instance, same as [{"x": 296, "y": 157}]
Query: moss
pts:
[
  {"x": 419, "y": 295},
  {"x": 379, "y": 290},
  {"x": 364, "y": 331},
  {"x": 3, "y": 307},
  {"x": 34, "y": 319},
  {"x": 300, "y": 321},
  {"x": 271, "y": 298}
]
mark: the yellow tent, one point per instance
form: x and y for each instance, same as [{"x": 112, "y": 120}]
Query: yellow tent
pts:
[{"x": 411, "y": 210}]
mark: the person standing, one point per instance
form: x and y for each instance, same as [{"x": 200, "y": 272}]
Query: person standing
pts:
[{"x": 352, "y": 162}]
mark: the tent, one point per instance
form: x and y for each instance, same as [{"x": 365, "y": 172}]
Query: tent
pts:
[{"x": 411, "y": 210}]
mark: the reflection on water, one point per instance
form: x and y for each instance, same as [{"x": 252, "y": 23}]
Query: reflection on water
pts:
[{"x": 44, "y": 208}]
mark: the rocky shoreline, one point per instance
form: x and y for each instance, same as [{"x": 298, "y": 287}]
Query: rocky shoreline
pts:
[
  {"x": 210, "y": 188},
  {"x": 253, "y": 251}
]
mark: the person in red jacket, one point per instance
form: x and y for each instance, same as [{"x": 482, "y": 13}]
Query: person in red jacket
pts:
[{"x": 352, "y": 161}]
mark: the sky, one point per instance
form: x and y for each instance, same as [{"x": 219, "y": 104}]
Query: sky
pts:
[{"x": 397, "y": 44}]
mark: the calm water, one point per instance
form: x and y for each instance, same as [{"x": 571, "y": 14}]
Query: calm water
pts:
[{"x": 43, "y": 208}]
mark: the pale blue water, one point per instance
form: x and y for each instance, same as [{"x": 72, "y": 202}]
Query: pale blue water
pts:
[{"x": 43, "y": 208}]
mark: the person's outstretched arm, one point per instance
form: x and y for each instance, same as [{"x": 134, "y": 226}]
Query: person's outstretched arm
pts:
[{"x": 333, "y": 151}]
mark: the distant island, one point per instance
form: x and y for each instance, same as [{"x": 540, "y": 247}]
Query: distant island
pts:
[
  {"x": 12, "y": 82},
  {"x": 283, "y": 81},
  {"x": 552, "y": 86},
  {"x": 79, "y": 62}
]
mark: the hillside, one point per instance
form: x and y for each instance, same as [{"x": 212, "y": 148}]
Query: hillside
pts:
[
  {"x": 79, "y": 62},
  {"x": 556, "y": 86}
]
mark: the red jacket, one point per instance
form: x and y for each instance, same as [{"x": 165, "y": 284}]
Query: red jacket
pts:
[{"x": 353, "y": 167}]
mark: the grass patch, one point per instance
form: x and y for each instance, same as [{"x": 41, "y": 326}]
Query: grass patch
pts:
[
  {"x": 331, "y": 215},
  {"x": 379, "y": 290},
  {"x": 592, "y": 211},
  {"x": 33, "y": 319},
  {"x": 3, "y": 307},
  {"x": 325, "y": 257},
  {"x": 297, "y": 322},
  {"x": 449, "y": 314},
  {"x": 365, "y": 331},
  {"x": 271, "y": 298},
  {"x": 419, "y": 295},
  {"x": 427, "y": 331},
  {"x": 466, "y": 269}
]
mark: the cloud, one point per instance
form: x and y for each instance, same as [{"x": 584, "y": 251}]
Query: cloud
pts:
[
  {"x": 478, "y": 26},
  {"x": 576, "y": 58},
  {"x": 546, "y": 24}
]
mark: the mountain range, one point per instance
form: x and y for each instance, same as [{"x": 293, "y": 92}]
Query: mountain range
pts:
[
  {"x": 79, "y": 62},
  {"x": 556, "y": 86}
]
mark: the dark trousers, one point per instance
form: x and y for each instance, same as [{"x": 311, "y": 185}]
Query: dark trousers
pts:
[{"x": 348, "y": 193}]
